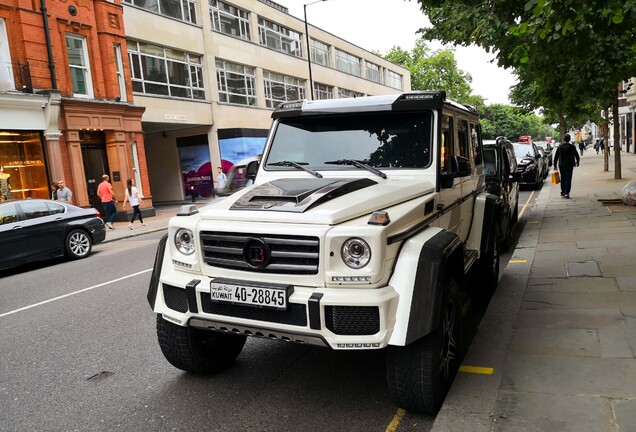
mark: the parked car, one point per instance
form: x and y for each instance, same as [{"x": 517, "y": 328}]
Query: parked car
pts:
[
  {"x": 547, "y": 147},
  {"x": 500, "y": 166},
  {"x": 545, "y": 164},
  {"x": 38, "y": 229},
  {"x": 529, "y": 164}
]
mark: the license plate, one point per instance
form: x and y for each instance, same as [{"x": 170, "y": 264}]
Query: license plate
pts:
[{"x": 235, "y": 292}]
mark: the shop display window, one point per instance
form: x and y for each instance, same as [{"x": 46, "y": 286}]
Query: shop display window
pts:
[{"x": 23, "y": 170}]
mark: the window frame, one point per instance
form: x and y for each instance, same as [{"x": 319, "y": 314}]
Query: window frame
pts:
[
  {"x": 374, "y": 69},
  {"x": 344, "y": 58},
  {"x": 278, "y": 31},
  {"x": 119, "y": 71},
  {"x": 248, "y": 79},
  {"x": 316, "y": 46},
  {"x": 5, "y": 53},
  {"x": 188, "y": 9},
  {"x": 393, "y": 78},
  {"x": 243, "y": 22},
  {"x": 323, "y": 90},
  {"x": 86, "y": 69},
  {"x": 287, "y": 81}
]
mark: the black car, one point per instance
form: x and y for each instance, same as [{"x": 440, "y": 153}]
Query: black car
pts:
[
  {"x": 500, "y": 166},
  {"x": 529, "y": 164},
  {"x": 38, "y": 229},
  {"x": 547, "y": 147}
]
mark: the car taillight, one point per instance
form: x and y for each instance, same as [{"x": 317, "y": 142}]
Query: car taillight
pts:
[{"x": 98, "y": 215}]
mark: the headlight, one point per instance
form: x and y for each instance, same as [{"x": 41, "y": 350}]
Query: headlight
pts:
[
  {"x": 355, "y": 253},
  {"x": 184, "y": 241}
]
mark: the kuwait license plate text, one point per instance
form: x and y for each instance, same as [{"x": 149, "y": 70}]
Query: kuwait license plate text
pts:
[{"x": 248, "y": 296}]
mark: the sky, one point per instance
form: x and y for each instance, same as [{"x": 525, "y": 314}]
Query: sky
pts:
[{"x": 379, "y": 25}]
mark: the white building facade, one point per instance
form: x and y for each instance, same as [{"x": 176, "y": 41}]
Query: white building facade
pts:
[{"x": 210, "y": 73}]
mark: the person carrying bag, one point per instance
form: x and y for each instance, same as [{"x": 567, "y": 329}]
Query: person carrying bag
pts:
[{"x": 565, "y": 159}]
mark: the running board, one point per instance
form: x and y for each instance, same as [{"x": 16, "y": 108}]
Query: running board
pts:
[{"x": 470, "y": 257}]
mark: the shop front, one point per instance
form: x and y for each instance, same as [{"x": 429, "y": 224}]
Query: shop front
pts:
[{"x": 22, "y": 166}]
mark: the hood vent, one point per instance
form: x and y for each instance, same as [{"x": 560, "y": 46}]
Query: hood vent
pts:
[{"x": 298, "y": 195}]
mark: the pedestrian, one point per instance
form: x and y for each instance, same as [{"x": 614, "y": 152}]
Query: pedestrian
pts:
[
  {"x": 132, "y": 196},
  {"x": 221, "y": 179},
  {"x": 597, "y": 146},
  {"x": 105, "y": 192},
  {"x": 565, "y": 159},
  {"x": 54, "y": 189},
  {"x": 64, "y": 194},
  {"x": 581, "y": 147}
]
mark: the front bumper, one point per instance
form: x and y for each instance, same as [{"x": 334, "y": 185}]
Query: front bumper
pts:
[
  {"x": 528, "y": 177},
  {"x": 339, "y": 318}
]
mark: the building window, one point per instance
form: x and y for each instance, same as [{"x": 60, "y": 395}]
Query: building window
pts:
[
  {"x": 394, "y": 80},
  {"x": 24, "y": 175},
  {"x": 79, "y": 66},
  {"x": 323, "y": 91},
  {"x": 184, "y": 10},
  {"x": 119, "y": 68},
  {"x": 344, "y": 93},
  {"x": 6, "y": 68},
  {"x": 279, "y": 38},
  {"x": 281, "y": 88},
  {"x": 166, "y": 72},
  {"x": 229, "y": 19},
  {"x": 373, "y": 73},
  {"x": 348, "y": 63},
  {"x": 237, "y": 83},
  {"x": 319, "y": 52}
]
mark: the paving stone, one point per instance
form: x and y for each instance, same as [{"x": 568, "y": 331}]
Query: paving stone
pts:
[
  {"x": 614, "y": 342},
  {"x": 579, "y": 285},
  {"x": 625, "y": 415},
  {"x": 605, "y": 377},
  {"x": 568, "y": 318},
  {"x": 556, "y": 342},
  {"x": 551, "y": 413},
  {"x": 611, "y": 270},
  {"x": 554, "y": 271},
  {"x": 591, "y": 300},
  {"x": 583, "y": 268},
  {"x": 452, "y": 420},
  {"x": 626, "y": 283}
]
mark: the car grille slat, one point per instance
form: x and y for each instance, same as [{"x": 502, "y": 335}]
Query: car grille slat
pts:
[{"x": 289, "y": 254}]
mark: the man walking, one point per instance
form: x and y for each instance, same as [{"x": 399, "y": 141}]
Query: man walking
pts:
[
  {"x": 221, "y": 179},
  {"x": 64, "y": 194},
  {"x": 105, "y": 192},
  {"x": 565, "y": 159}
]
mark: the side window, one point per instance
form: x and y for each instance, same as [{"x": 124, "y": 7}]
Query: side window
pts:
[
  {"x": 55, "y": 208},
  {"x": 8, "y": 214},
  {"x": 35, "y": 209},
  {"x": 447, "y": 144},
  {"x": 463, "y": 139},
  {"x": 475, "y": 133},
  {"x": 512, "y": 160}
]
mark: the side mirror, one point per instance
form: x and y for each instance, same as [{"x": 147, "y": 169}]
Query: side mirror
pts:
[{"x": 251, "y": 170}]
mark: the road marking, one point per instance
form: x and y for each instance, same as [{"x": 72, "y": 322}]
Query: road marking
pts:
[
  {"x": 529, "y": 222},
  {"x": 517, "y": 261},
  {"x": 392, "y": 427},
  {"x": 73, "y": 293},
  {"x": 525, "y": 205},
  {"x": 477, "y": 370}
]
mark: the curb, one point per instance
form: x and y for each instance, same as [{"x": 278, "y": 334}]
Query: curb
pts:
[{"x": 150, "y": 231}]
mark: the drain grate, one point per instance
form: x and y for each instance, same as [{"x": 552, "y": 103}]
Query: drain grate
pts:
[
  {"x": 100, "y": 376},
  {"x": 584, "y": 268}
]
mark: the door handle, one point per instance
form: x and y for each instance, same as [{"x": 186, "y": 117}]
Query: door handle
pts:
[
  {"x": 16, "y": 228},
  {"x": 58, "y": 219}
]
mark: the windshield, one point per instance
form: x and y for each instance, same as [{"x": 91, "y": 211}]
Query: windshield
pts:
[
  {"x": 490, "y": 161},
  {"x": 383, "y": 140},
  {"x": 523, "y": 150}
]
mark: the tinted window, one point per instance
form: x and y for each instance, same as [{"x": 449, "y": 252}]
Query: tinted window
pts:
[
  {"x": 55, "y": 208},
  {"x": 35, "y": 209},
  {"x": 386, "y": 140},
  {"x": 490, "y": 162},
  {"x": 8, "y": 214},
  {"x": 447, "y": 143},
  {"x": 524, "y": 150}
]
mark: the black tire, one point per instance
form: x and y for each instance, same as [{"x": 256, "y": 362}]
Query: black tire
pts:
[
  {"x": 506, "y": 238},
  {"x": 419, "y": 375},
  {"x": 198, "y": 351},
  {"x": 515, "y": 214},
  {"x": 78, "y": 244},
  {"x": 488, "y": 271}
]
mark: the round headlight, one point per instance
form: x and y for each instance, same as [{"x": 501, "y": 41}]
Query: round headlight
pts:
[
  {"x": 184, "y": 241},
  {"x": 356, "y": 253}
]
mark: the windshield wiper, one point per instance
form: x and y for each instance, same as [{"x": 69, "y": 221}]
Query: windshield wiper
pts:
[
  {"x": 298, "y": 165},
  {"x": 359, "y": 164}
]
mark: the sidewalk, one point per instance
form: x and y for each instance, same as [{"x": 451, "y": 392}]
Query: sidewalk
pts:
[
  {"x": 159, "y": 222},
  {"x": 560, "y": 332}
]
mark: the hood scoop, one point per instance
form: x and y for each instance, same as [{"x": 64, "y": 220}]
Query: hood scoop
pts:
[{"x": 298, "y": 195}]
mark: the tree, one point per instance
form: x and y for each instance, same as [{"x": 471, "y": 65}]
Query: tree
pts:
[
  {"x": 435, "y": 70},
  {"x": 512, "y": 122},
  {"x": 545, "y": 41}
]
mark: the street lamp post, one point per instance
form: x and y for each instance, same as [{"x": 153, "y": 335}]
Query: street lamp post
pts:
[{"x": 311, "y": 81}]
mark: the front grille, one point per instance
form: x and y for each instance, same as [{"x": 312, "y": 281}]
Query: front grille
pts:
[
  {"x": 175, "y": 298},
  {"x": 287, "y": 254},
  {"x": 353, "y": 320},
  {"x": 296, "y": 314}
]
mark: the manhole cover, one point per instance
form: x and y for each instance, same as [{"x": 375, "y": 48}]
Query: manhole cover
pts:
[{"x": 584, "y": 268}]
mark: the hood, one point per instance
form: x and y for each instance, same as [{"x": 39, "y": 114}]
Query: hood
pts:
[
  {"x": 323, "y": 201},
  {"x": 298, "y": 195}
]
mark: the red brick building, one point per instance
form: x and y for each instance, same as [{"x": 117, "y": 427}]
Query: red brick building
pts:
[{"x": 66, "y": 107}]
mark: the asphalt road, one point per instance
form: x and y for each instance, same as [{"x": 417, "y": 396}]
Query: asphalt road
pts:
[{"x": 78, "y": 352}]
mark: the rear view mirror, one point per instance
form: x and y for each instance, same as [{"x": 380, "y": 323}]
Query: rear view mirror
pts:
[{"x": 251, "y": 170}]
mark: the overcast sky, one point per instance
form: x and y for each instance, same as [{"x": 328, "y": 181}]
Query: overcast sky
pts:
[{"x": 378, "y": 25}]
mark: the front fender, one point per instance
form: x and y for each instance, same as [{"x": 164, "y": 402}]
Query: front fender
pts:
[
  {"x": 419, "y": 280},
  {"x": 156, "y": 271}
]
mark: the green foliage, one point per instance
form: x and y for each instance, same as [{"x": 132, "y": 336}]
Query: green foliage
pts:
[
  {"x": 512, "y": 122},
  {"x": 435, "y": 70}
]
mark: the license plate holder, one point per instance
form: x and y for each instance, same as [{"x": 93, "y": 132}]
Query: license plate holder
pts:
[{"x": 251, "y": 294}]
